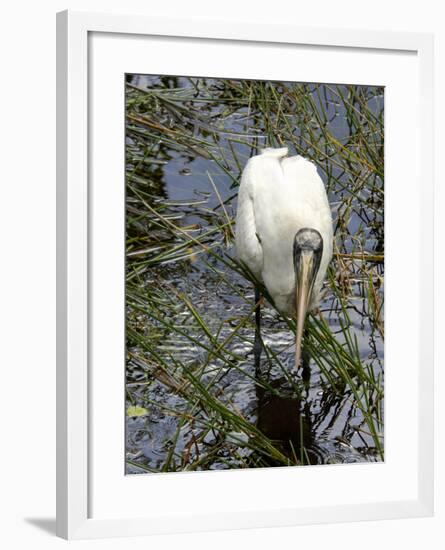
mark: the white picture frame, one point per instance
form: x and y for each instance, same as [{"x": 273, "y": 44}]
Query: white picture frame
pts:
[{"x": 78, "y": 484}]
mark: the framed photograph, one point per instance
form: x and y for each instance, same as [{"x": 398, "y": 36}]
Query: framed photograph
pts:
[{"x": 245, "y": 298}]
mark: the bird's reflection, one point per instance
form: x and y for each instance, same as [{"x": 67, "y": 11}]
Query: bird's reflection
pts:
[{"x": 285, "y": 419}]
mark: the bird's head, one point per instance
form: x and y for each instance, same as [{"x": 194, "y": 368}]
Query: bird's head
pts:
[{"x": 308, "y": 250}]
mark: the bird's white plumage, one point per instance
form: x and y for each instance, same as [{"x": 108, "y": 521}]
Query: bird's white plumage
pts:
[{"x": 278, "y": 196}]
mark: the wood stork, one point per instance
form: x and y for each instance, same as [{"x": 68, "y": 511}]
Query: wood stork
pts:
[{"x": 284, "y": 234}]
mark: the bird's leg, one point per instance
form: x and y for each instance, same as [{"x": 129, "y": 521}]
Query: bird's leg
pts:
[
  {"x": 257, "y": 345},
  {"x": 306, "y": 361}
]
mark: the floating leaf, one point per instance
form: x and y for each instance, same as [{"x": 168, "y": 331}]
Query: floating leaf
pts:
[{"x": 136, "y": 411}]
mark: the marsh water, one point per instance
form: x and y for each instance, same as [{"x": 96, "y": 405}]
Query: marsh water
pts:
[{"x": 196, "y": 302}]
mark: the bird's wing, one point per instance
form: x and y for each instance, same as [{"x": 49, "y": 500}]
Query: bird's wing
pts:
[
  {"x": 258, "y": 174},
  {"x": 247, "y": 241}
]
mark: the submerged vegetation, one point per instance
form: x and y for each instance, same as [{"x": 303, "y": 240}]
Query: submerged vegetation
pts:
[{"x": 194, "y": 402}]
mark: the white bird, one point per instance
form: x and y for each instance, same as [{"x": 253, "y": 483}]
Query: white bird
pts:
[{"x": 284, "y": 232}]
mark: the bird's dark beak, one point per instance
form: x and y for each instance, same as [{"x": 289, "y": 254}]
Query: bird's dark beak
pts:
[
  {"x": 304, "y": 280},
  {"x": 308, "y": 248}
]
